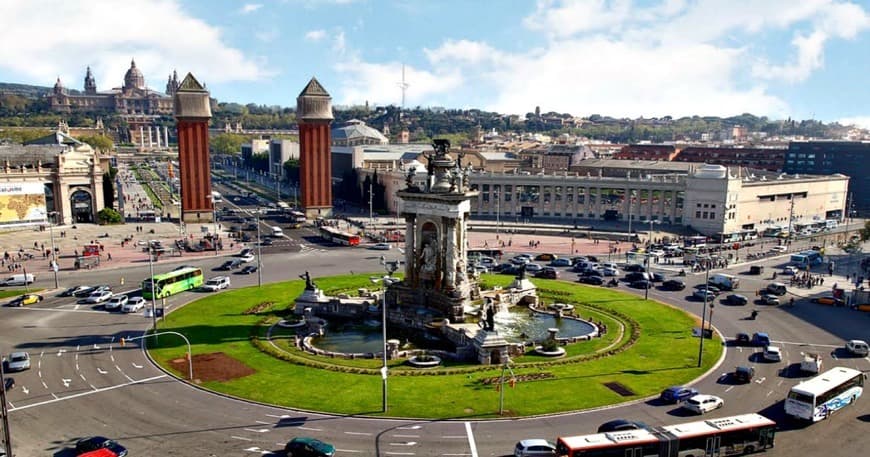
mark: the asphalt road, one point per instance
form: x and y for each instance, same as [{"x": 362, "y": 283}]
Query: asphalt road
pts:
[{"x": 82, "y": 384}]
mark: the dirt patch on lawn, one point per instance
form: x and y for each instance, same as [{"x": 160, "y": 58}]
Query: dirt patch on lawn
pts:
[{"x": 216, "y": 366}]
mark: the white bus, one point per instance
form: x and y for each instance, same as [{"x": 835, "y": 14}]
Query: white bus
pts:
[
  {"x": 817, "y": 398},
  {"x": 216, "y": 196}
]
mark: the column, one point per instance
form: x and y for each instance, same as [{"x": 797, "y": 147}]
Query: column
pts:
[
  {"x": 150, "y": 138},
  {"x": 166, "y": 136},
  {"x": 158, "y": 137},
  {"x": 141, "y": 136},
  {"x": 410, "y": 248},
  {"x": 661, "y": 211},
  {"x": 450, "y": 264}
]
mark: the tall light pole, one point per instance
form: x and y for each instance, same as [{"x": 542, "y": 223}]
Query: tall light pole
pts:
[
  {"x": 7, "y": 438},
  {"x": 703, "y": 315},
  {"x": 630, "y": 196},
  {"x": 153, "y": 295},
  {"x": 649, "y": 279},
  {"x": 259, "y": 253},
  {"x": 651, "y": 222},
  {"x": 54, "y": 266},
  {"x": 214, "y": 240},
  {"x": 498, "y": 212},
  {"x": 371, "y": 205}
]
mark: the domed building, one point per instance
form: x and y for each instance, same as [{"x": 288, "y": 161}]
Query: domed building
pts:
[{"x": 133, "y": 98}]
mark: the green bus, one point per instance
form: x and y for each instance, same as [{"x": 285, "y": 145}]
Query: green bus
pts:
[{"x": 176, "y": 281}]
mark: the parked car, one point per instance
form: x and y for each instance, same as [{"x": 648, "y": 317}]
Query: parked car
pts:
[
  {"x": 381, "y": 246},
  {"x": 620, "y": 425},
  {"x": 534, "y": 448},
  {"x": 93, "y": 443},
  {"x": 743, "y": 374},
  {"x": 308, "y": 447},
  {"x": 117, "y": 302},
  {"x": 677, "y": 394},
  {"x": 17, "y": 361},
  {"x": 561, "y": 262},
  {"x": 97, "y": 297},
  {"x": 858, "y": 348},
  {"x": 703, "y": 403},
  {"x": 133, "y": 305},
  {"x": 248, "y": 270},
  {"x": 769, "y": 299},
  {"x": 742, "y": 339},
  {"x": 736, "y": 300},
  {"x": 26, "y": 299},
  {"x": 593, "y": 280},
  {"x": 73, "y": 290},
  {"x": 772, "y": 354},
  {"x": 673, "y": 284},
  {"x": 217, "y": 283},
  {"x": 547, "y": 273}
]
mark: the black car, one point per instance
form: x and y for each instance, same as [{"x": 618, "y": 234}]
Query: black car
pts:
[
  {"x": 229, "y": 265},
  {"x": 619, "y": 425},
  {"x": 547, "y": 274},
  {"x": 248, "y": 270},
  {"x": 657, "y": 277},
  {"x": 635, "y": 276},
  {"x": 641, "y": 284},
  {"x": 84, "y": 292},
  {"x": 308, "y": 447},
  {"x": 85, "y": 445},
  {"x": 634, "y": 267},
  {"x": 743, "y": 339},
  {"x": 673, "y": 284},
  {"x": 743, "y": 374},
  {"x": 72, "y": 290},
  {"x": 593, "y": 280},
  {"x": 266, "y": 242},
  {"x": 736, "y": 300}
]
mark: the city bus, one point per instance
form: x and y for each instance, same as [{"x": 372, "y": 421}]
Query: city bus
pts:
[
  {"x": 734, "y": 435},
  {"x": 806, "y": 259},
  {"x": 695, "y": 241},
  {"x": 485, "y": 252},
  {"x": 171, "y": 283},
  {"x": 338, "y": 236},
  {"x": 817, "y": 398}
]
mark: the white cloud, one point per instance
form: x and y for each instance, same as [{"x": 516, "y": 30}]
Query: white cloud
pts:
[
  {"x": 858, "y": 121},
  {"x": 42, "y": 50},
  {"x": 250, "y": 8},
  {"x": 315, "y": 35},
  {"x": 338, "y": 42},
  {"x": 267, "y": 36},
  {"x": 379, "y": 83},
  {"x": 470, "y": 52}
]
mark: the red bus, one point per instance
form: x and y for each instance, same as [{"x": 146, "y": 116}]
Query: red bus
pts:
[
  {"x": 339, "y": 237},
  {"x": 91, "y": 249},
  {"x": 735, "y": 435}
]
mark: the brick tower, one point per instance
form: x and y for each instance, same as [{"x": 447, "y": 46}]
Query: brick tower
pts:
[
  {"x": 314, "y": 115},
  {"x": 192, "y": 113}
]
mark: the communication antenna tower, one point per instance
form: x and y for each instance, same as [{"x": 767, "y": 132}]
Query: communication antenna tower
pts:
[{"x": 404, "y": 86}]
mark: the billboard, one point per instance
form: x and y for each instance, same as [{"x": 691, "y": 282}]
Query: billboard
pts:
[{"x": 22, "y": 203}]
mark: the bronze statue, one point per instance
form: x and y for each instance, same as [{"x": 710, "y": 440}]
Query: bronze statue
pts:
[{"x": 309, "y": 283}]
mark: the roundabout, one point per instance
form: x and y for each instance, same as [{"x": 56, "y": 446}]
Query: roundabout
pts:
[{"x": 649, "y": 346}]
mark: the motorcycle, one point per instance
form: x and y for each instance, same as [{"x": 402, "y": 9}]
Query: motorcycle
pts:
[
  {"x": 753, "y": 315},
  {"x": 612, "y": 283}
]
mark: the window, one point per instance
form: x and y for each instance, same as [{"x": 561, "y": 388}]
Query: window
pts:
[
  {"x": 697, "y": 214},
  {"x": 704, "y": 215},
  {"x": 712, "y": 215}
]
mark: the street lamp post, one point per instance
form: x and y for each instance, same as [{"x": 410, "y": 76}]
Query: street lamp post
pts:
[
  {"x": 703, "y": 316},
  {"x": 630, "y": 198},
  {"x": 54, "y": 266},
  {"x": 646, "y": 288},
  {"x": 153, "y": 295},
  {"x": 214, "y": 240},
  {"x": 259, "y": 253}
]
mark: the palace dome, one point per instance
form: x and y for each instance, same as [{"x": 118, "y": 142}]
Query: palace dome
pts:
[{"x": 134, "y": 79}]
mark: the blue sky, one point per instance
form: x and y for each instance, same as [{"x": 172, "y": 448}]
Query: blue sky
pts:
[{"x": 623, "y": 58}]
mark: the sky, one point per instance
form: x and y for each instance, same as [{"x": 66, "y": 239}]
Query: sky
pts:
[{"x": 804, "y": 59}]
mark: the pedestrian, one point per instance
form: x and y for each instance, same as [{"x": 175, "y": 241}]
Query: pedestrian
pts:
[{"x": 109, "y": 255}]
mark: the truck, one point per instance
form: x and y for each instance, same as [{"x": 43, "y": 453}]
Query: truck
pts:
[
  {"x": 811, "y": 363},
  {"x": 724, "y": 281},
  {"x": 860, "y": 300}
]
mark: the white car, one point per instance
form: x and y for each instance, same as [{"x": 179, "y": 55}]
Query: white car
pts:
[
  {"x": 778, "y": 249},
  {"x": 116, "y": 302},
  {"x": 857, "y": 347},
  {"x": 772, "y": 354},
  {"x": 133, "y": 305},
  {"x": 703, "y": 403},
  {"x": 98, "y": 297},
  {"x": 217, "y": 283},
  {"x": 18, "y": 361},
  {"x": 534, "y": 448},
  {"x": 607, "y": 271},
  {"x": 247, "y": 258},
  {"x": 533, "y": 267},
  {"x": 381, "y": 246},
  {"x": 790, "y": 270}
]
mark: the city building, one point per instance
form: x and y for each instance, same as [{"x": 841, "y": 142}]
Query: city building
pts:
[
  {"x": 771, "y": 159},
  {"x": 55, "y": 174},
  {"x": 662, "y": 152},
  {"x": 314, "y": 116},
  {"x": 192, "y": 115},
  {"x": 255, "y": 146},
  {"x": 851, "y": 158},
  {"x": 280, "y": 151},
  {"x": 711, "y": 199}
]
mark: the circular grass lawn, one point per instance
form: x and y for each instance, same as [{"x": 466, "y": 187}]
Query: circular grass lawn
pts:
[{"x": 648, "y": 346}]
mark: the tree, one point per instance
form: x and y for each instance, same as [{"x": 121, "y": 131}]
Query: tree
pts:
[
  {"x": 227, "y": 143},
  {"x": 865, "y": 232},
  {"x": 291, "y": 170},
  {"x": 109, "y": 216},
  {"x": 109, "y": 187},
  {"x": 98, "y": 142}
]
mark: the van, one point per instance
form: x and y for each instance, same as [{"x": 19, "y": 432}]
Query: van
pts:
[
  {"x": 724, "y": 281},
  {"x": 19, "y": 280},
  {"x": 277, "y": 232},
  {"x": 776, "y": 288}
]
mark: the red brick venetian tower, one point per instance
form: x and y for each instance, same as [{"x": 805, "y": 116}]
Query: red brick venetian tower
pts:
[
  {"x": 314, "y": 116},
  {"x": 192, "y": 114}
]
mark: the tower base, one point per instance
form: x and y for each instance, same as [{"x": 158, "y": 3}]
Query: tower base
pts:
[
  {"x": 315, "y": 212},
  {"x": 191, "y": 216}
]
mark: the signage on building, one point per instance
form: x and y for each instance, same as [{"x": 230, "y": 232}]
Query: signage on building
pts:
[{"x": 22, "y": 203}]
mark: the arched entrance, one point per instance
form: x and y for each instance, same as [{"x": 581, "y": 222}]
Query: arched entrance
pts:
[{"x": 82, "y": 205}]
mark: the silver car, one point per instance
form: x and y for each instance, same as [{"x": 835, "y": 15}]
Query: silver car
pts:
[
  {"x": 18, "y": 361},
  {"x": 534, "y": 447}
]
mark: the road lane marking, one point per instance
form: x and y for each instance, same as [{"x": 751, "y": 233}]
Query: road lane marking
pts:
[
  {"x": 39, "y": 373},
  {"x": 729, "y": 389},
  {"x": 101, "y": 371},
  {"x": 257, "y": 430},
  {"x": 406, "y": 436},
  {"x": 471, "y": 443},
  {"x": 136, "y": 366},
  {"x": 358, "y": 433},
  {"x": 66, "y": 382},
  {"x": 410, "y": 427},
  {"x": 81, "y": 394},
  {"x": 311, "y": 429},
  {"x": 354, "y": 451},
  {"x": 92, "y": 386},
  {"x": 24, "y": 389},
  {"x": 453, "y": 437},
  {"x": 45, "y": 385},
  {"x": 240, "y": 438},
  {"x": 409, "y": 443}
]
